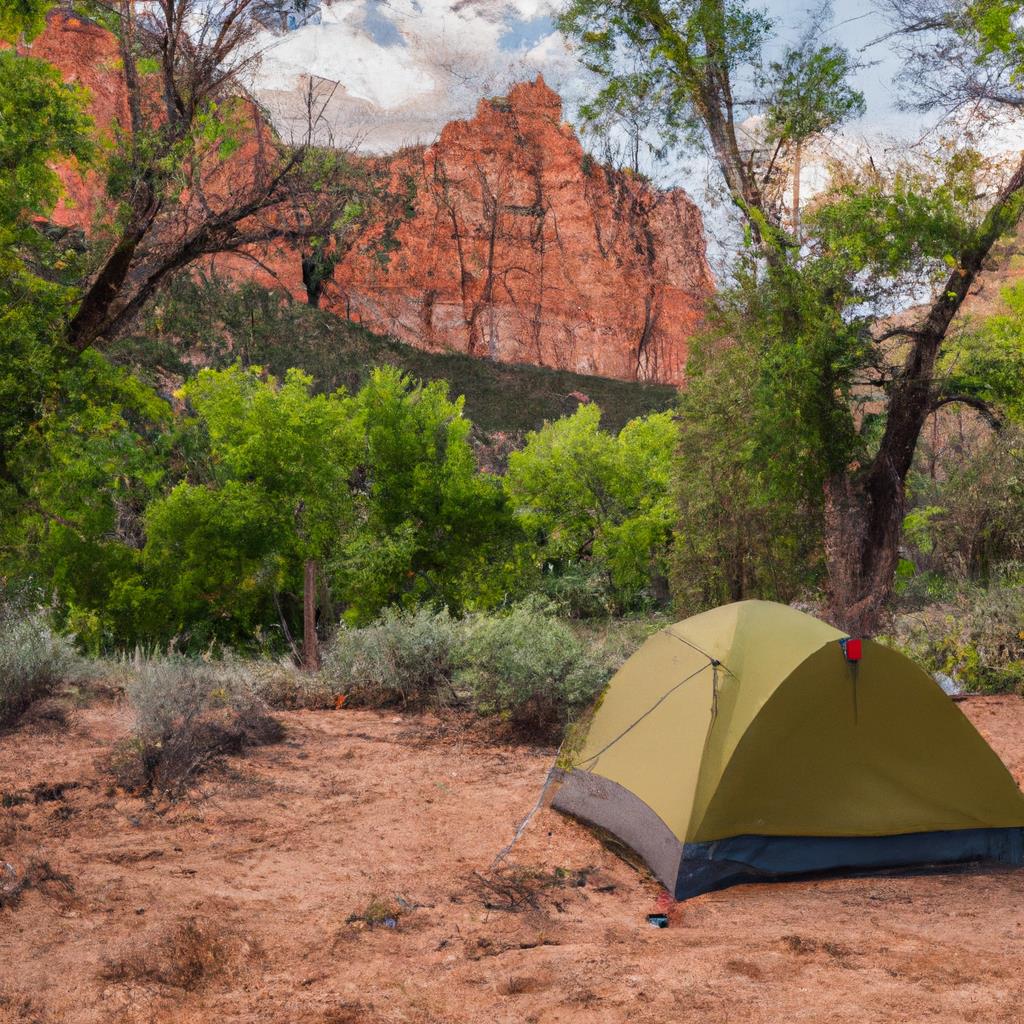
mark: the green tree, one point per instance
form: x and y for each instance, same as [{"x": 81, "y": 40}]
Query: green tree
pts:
[
  {"x": 807, "y": 95},
  {"x": 88, "y": 469},
  {"x": 630, "y": 118},
  {"x": 42, "y": 120},
  {"x": 844, "y": 393},
  {"x": 432, "y": 527},
  {"x": 599, "y": 500},
  {"x": 23, "y": 18},
  {"x": 985, "y": 363},
  {"x": 744, "y": 529},
  {"x": 275, "y": 505},
  {"x": 175, "y": 192}
]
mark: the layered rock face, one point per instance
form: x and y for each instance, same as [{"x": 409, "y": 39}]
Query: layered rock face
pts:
[
  {"x": 512, "y": 244},
  {"x": 87, "y": 55},
  {"x": 522, "y": 249}
]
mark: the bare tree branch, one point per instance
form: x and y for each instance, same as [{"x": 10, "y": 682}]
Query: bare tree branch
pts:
[{"x": 199, "y": 169}]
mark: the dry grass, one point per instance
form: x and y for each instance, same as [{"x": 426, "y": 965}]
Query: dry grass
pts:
[
  {"x": 806, "y": 946},
  {"x": 34, "y": 662},
  {"x": 521, "y": 984},
  {"x": 21, "y": 1008},
  {"x": 746, "y": 968},
  {"x": 189, "y": 716},
  {"x": 347, "y": 1013},
  {"x": 513, "y": 888},
  {"x": 187, "y": 957},
  {"x": 37, "y": 874},
  {"x": 168, "y": 766}
]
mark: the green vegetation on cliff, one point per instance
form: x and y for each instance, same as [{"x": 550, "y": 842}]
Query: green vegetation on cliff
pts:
[{"x": 205, "y": 321}]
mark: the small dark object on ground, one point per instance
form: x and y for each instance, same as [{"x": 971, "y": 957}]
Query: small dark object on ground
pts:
[
  {"x": 47, "y": 792},
  {"x": 40, "y": 793},
  {"x": 657, "y": 920},
  {"x": 379, "y": 913}
]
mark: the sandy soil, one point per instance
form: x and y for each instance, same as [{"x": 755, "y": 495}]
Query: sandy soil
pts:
[{"x": 235, "y": 906}]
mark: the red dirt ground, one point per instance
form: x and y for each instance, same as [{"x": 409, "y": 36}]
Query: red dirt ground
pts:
[{"x": 283, "y": 846}]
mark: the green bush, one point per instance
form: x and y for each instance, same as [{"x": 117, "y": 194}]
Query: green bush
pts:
[
  {"x": 34, "y": 661},
  {"x": 188, "y": 715},
  {"x": 404, "y": 657},
  {"x": 579, "y": 591},
  {"x": 530, "y": 668},
  {"x": 979, "y": 640},
  {"x": 919, "y": 589},
  {"x": 599, "y": 508}
]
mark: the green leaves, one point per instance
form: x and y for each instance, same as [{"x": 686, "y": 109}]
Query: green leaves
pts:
[
  {"x": 431, "y": 526},
  {"x": 588, "y": 495},
  {"x": 807, "y": 93},
  {"x": 22, "y": 18},
  {"x": 87, "y": 470},
  {"x": 672, "y": 51},
  {"x": 905, "y": 226},
  {"x": 745, "y": 525},
  {"x": 986, "y": 361},
  {"x": 41, "y": 120},
  {"x": 997, "y": 26}
]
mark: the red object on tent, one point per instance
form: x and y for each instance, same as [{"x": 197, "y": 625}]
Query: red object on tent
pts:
[{"x": 852, "y": 648}]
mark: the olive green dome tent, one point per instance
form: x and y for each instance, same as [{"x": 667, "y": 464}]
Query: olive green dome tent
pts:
[{"x": 753, "y": 741}]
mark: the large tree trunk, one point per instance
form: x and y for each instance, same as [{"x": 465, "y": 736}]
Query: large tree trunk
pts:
[
  {"x": 862, "y": 536},
  {"x": 864, "y": 508},
  {"x": 310, "y": 646},
  {"x": 796, "y": 192}
]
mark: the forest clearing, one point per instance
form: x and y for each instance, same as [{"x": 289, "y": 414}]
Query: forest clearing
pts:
[{"x": 562, "y": 563}]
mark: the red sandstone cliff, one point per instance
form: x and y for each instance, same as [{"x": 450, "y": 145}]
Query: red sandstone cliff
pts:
[
  {"x": 523, "y": 250},
  {"x": 515, "y": 246}
]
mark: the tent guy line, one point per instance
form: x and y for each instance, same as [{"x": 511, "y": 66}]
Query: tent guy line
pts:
[{"x": 592, "y": 760}]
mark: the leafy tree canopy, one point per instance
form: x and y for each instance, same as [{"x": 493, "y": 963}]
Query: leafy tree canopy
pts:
[
  {"x": 592, "y": 497},
  {"x": 42, "y": 120},
  {"x": 22, "y": 18},
  {"x": 433, "y": 528}
]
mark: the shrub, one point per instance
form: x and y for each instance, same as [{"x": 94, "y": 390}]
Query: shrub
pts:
[
  {"x": 531, "y": 668},
  {"x": 406, "y": 657},
  {"x": 380, "y": 912},
  {"x": 34, "y": 661},
  {"x": 285, "y": 686},
  {"x": 189, "y": 714},
  {"x": 186, "y": 956},
  {"x": 979, "y": 640},
  {"x": 580, "y": 591}
]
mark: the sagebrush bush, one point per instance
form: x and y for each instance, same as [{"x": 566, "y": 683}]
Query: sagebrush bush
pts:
[
  {"x": 285, "y": 686},
  {"x": 405, "y": 657},
  {"x": 34, "y": 661},
  {"x": 188, "y": 715},
  {"x": 530, "y": 667},
  {"x": 979, "y": 640}
]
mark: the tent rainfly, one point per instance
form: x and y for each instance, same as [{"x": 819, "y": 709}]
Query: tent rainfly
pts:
[{"x": 754, "y": 742}]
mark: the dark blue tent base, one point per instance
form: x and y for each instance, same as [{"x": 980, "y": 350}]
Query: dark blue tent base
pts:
[
  {"x": 691, "y": 869},
  {"x": 708, "y": 866}
]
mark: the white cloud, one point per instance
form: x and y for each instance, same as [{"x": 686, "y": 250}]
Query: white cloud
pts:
[{"x": 406, "y": 67}]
